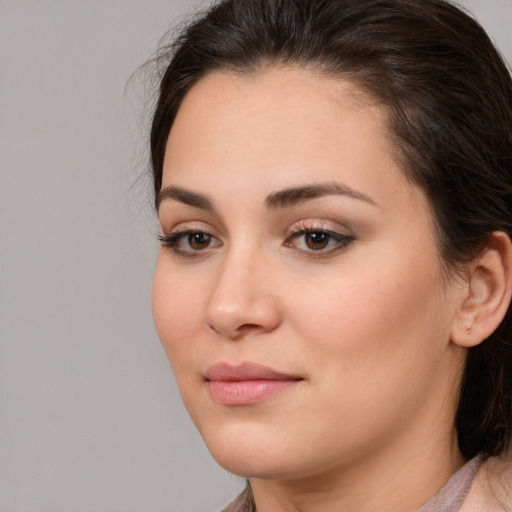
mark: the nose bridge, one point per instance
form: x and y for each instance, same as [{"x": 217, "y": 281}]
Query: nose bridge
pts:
[{"x": 241, "y": 299}]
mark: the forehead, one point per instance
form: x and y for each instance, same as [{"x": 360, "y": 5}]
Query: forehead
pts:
[
  {"x": 289, "y": 89},
  {"x": 287, "y": 83},
  {"x": 294, "y": 116},
  {"x": 279, "y": 128}
]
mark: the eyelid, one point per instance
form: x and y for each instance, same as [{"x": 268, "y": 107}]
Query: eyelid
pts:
[
  {"x": 178, "y": 226},
  {"x": 305, "y": 227},
  {"x": 308, "y": 225},
  {"x": 171, "y": 239},
  {"x": 168, "y": 229}
]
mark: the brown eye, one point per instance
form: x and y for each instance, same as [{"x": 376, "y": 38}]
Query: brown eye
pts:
[
  {"x": 190, "y": 243},
  {"x": 199, "y": 241},
  {"x": 317, "y": 240}
]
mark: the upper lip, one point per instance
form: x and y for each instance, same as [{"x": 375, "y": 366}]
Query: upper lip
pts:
[{"x": 245, "y": 371}]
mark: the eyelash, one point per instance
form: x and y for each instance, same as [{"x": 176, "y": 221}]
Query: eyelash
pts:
[
  {"x": 172, "y": 241},
  {"x": 341, "y": 240}
]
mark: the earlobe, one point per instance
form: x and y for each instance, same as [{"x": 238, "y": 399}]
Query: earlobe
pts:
[{"x": 487, "y": 294}]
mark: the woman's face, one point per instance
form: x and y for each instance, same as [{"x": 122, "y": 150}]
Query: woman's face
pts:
[{"x": 298, "y": 291}]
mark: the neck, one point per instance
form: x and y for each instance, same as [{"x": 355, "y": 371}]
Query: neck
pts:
[{"x": 385, "y": 481}]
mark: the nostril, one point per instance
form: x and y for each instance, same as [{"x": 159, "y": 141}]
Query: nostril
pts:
[
  {"x": 248, "y": 327},
  {"x": 213, "y": 328},
  {"x": 234, "y": 316},
  {"x": 236, "y": 332}
]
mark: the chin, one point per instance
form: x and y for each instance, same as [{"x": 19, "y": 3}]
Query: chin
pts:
[
  {"x": 250, "y": 451},
  {"x": 269, "y": 452},
  {"x": 247, "y": 464}
]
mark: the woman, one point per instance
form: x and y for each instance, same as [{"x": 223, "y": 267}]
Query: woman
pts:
[{"x": 333, "y": 181}]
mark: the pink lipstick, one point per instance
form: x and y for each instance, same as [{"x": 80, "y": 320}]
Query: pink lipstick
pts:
[{"x": 245, "y": 384}]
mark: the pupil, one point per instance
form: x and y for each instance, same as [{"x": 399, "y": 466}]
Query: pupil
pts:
[
  {"x": 317, "y": 240},
  {"x": 199, "y": 240}
]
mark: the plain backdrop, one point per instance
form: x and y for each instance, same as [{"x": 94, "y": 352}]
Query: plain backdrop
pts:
[{"x": 90, "y": 419}]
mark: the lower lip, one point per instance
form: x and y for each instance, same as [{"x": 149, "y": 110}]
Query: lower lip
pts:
[{"x": 246, "y": 392}]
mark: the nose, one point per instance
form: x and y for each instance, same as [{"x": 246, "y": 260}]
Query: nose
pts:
[{"x": 242, "y": 301}]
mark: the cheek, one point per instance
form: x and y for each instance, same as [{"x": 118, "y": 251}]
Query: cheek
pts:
[
  {"x": 366, "y": 318},
  {"x": 375, "y": 345},
  {"x": 177, "y": 313}
]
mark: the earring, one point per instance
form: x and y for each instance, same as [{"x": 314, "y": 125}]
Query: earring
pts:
[{"x": 468, "y": 330}]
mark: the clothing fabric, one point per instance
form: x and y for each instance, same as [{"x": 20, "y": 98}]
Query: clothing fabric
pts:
[
  {"x": 449, "y": 498},
  {"x": 242, "y": 503}
]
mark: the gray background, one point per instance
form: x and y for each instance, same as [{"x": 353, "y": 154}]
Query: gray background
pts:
[{"x": 90, "y": 419}]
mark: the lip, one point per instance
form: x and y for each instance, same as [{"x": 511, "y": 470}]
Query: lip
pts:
[{"x": 246, "y": 383}]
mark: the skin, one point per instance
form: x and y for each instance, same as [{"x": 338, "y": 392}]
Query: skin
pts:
[{"x": 366, "y": 323}]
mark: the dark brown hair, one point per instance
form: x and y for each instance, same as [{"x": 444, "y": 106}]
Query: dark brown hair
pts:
[{"x": 449, "y": 97}]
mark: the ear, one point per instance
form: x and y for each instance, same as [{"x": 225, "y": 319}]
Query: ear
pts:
[{"x": 487, "y": 293}]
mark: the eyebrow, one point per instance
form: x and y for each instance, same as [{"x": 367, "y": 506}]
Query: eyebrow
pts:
[
  {"x": 291, "y": 196},
  {"x": 185, "y": 196},
  {"x": 274, "y": 201}
]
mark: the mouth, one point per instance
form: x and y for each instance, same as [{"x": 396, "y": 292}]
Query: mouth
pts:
[{"x": 246, "y": 384}]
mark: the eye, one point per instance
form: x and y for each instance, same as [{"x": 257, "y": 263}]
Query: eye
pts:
[
  {"x": 198, "y": 241},
  {"x": 188, "y": 242},
  {"x": 318, "y": 240}
]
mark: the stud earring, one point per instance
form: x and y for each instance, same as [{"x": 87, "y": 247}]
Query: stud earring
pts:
[{"x": 468, "y": 330}]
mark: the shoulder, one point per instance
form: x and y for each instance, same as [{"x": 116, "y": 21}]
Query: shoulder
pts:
[{"x": 492, "y": 488}]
